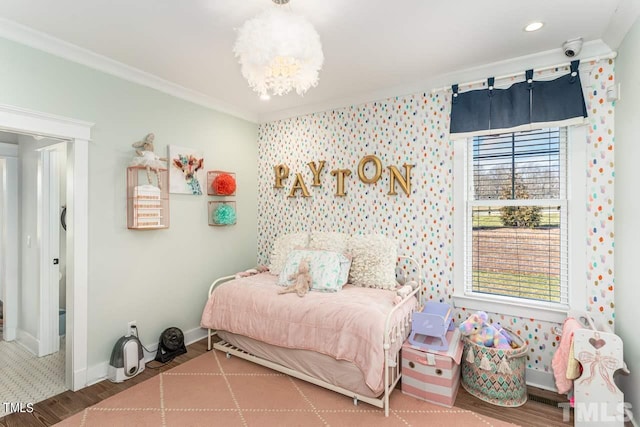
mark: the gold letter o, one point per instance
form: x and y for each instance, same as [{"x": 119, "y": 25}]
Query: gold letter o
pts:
[{"x": 363, "y": 162}]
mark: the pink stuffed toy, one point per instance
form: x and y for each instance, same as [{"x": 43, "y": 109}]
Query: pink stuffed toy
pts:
[
  {"x": 483, "y": 333},
  {"x": 252, "y": 271},
  {"x": 301, "y": 280}
]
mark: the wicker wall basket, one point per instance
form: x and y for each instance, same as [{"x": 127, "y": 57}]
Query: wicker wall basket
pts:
[{"x": 496, "y": 376}]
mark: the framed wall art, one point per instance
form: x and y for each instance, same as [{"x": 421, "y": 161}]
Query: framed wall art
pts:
[{"x": 186, "y": 170}]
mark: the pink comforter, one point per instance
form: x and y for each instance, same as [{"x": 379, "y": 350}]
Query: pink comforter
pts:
[{"x": 347, "y": 325}]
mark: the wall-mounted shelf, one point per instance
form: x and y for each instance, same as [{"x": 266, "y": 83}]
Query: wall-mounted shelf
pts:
[
  {"x": 147, "y": 202},
  {"x": 222, "y": 213},
  {"x": 221, "y": 183}
]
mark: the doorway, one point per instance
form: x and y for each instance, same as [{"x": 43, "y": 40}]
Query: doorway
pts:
[
  {"x": 33, "y": 355},
  {"x": 77, "y": 133}
]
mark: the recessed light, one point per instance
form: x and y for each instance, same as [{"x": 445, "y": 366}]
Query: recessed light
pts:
[
  {"x": 534, "y": 26},
  {"x": 265, "y": 97}
]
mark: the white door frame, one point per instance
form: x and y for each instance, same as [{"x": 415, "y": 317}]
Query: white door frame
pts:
[
  {"x": 10, "y": 240},
  {"x": 78, "y": 133}
]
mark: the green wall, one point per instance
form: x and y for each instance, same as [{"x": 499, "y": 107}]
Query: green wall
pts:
[{"x": 158, "y": 278}]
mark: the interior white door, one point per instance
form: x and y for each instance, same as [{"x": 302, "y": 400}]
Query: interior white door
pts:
[
  {"x": 49, "y": 230},
  {"x": 9, "y": 242}
]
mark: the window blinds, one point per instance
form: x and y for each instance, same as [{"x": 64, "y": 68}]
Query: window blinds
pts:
[{"x": 516, "y": 239}]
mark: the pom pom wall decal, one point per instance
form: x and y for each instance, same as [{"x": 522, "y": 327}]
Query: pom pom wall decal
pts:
[
  {"x": 224, "y": 214},
  {"x": 224, "y": 185}
]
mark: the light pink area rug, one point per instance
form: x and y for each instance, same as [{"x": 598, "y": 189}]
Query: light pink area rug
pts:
[{"x": 212, "y": 390}]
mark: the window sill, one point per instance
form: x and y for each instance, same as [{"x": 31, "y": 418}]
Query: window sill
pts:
[{"x": 536, "y": 310}]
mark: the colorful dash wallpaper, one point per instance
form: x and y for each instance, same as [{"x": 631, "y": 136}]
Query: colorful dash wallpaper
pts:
[{"x": 414, "y": 129}]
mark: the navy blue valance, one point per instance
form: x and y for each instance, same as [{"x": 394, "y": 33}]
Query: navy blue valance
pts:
[{"x": 520, "y": 106}]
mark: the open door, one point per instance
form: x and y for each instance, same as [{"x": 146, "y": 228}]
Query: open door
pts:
[{"x": 49, "y": 230}]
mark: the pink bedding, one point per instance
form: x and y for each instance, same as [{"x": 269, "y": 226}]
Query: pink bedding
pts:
[{"x": 347, "y": 325}]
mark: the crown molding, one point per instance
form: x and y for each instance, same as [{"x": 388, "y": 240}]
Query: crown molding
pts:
[
  {"x": 542, "y": 59},
  {"x": 37, "y": 40},
  {"x": 27, "y": 36}
]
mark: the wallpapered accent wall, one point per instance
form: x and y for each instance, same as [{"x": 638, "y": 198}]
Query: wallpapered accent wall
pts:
[{"x": 414, "y": 129}]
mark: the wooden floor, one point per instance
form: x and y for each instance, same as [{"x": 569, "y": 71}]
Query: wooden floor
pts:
[{"x": 57, "y": 408}]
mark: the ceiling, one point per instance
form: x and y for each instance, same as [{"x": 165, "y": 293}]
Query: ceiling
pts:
[{"x": 373, "y": 49}]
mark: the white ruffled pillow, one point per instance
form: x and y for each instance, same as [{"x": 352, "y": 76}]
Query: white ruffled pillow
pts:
[
  {"x": 329, "y": 241},
  {"x": 329, "y": 270},
  {"x": 373, "y": 263},
  {"x": 283, "y": 246}
]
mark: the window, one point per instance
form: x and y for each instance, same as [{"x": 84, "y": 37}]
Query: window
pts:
[
  {"x": 512, "y": 221},
  {"x": 516, "y": 215}
]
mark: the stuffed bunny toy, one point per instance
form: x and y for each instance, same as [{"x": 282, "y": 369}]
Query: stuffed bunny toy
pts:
[
  {"x": 301, "y": 280},
  {"x": 146, "y": 157}
]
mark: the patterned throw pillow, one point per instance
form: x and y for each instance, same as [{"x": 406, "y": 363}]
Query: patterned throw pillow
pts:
[
  {"x": 329, "y": 241},
  {"x": 329, "y": 270},
  {"x": 373, "y": 263},
  {"x": 283, "y": 246}
]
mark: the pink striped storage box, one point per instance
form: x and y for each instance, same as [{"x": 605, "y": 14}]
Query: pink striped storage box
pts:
[{"x": 433, "y": 376}]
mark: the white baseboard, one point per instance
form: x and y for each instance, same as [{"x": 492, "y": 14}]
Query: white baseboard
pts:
[
  {"x": 98, "y": 372},
  {"x": 28, "y": 341},
  {"x": 194, "y": 335},
  {"x": 79, "y": 379},
  {"x": 541, "y": 379},
  {"x": 9, "y": 334}
]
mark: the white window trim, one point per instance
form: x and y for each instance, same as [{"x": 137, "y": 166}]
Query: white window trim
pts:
[{"x": 577, "y": 213}]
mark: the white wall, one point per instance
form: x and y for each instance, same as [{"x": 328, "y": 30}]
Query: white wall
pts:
[
  {"x": 6, "y": 149},
  {"x": 627, "y": 206},
  {"x": 29, "y": 289},
  {"x": 9, "y": 237}
]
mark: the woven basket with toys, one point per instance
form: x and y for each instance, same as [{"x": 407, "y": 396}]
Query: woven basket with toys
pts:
[{"x": 493, "y": 362}]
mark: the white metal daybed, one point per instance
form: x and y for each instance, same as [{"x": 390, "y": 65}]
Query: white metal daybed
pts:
[{"x": 339, "y": 366}]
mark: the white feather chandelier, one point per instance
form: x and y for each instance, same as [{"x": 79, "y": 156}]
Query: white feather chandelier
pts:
[{"x": 279, "y": 51}]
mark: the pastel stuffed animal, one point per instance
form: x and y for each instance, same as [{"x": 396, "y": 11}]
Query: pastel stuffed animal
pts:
[
  {"x": 246, "y": 273},
  {"x": 301, "y": 280},
  {"x": 147, "y": 158},
  {"x": 483, "y": 333},
  {"x": 505, "y": 334},
  {"x": 252, "y": 271}
]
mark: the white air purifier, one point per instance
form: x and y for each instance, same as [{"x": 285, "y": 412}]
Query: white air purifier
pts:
[{"x": 127, "y": 359}]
